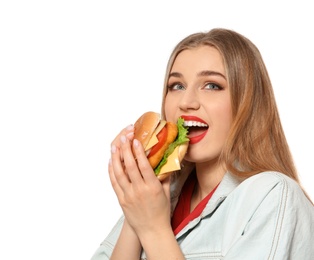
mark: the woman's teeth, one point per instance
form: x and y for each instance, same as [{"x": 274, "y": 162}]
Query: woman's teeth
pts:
[{"x": 194, "y": 123}]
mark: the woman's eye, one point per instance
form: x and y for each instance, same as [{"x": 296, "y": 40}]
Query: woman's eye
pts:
[
  {"x": 212, "y": 86},
  {"x": 176, "y": 86}
]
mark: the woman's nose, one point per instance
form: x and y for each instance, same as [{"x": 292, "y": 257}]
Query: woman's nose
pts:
[{"x": 189, "y": 100}]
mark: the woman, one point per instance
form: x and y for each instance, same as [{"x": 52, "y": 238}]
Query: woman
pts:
[{"x": 238, "y": 195}]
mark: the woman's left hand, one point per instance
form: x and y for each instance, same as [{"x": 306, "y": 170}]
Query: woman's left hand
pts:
[{"x": 145, "y": 201}]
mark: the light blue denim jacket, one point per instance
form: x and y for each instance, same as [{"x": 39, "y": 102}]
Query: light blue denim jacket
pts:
[{"x": 266, "y": 216}]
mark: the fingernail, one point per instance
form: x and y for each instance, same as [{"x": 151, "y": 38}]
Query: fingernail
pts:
[
  {"x": 123, "y": 138},
  {"x": 135, "y": 143},
  {"x": 131, "y": 134},
  {"x": 113, "y": 148},
  {"x": 130, "y": 127}
]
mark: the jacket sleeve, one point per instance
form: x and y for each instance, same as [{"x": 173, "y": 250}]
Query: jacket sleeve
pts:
[
  {"x": 105, "y": 249},
  {"x": 280, "y": 226}
]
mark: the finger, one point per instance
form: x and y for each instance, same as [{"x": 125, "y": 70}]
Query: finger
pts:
[
  {"x": 117, "y": 170},
  {"x": 128, "y": 132},
  {"x": 130, "y": 162},
  {"x": 115, "y": 185},
  {"x": 166, "y": 186},
  {"x": 143, "y": 163}
]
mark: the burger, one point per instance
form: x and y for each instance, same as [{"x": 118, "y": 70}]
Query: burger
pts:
[{"x": 165, "y": 143}]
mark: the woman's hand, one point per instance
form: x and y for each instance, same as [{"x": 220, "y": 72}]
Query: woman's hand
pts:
[
  {"x": 128, "y": 132},
  {"x": 144, "y": 199}
]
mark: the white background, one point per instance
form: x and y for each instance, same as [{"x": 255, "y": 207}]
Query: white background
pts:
[{"x": 74, "y": 73}]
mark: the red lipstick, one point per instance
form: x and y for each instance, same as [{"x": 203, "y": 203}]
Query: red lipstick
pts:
[{"x": 197, "y": 128}]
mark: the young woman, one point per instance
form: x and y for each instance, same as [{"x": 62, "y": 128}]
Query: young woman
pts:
[{"x": 238, "y": 195}]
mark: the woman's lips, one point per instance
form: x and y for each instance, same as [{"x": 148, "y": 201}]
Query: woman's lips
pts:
[
  {"x": 195, "y": 139},
  {"x": 197, "y": 128}
]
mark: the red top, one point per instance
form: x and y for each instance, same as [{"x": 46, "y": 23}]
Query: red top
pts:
[{"x": 182, "y": 215}]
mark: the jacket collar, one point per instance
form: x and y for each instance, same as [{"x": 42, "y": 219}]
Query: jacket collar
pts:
[{"x": 228, "y": 183}]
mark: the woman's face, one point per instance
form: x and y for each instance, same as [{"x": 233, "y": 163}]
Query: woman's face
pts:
[{"x": 198, "y": 91}]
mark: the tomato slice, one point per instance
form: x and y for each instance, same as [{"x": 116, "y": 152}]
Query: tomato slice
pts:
[{"x": 162, "y": 137}]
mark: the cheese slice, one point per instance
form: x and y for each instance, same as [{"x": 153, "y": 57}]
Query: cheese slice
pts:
[
  {"x": 153, "y": 140},
  {"x": 173, "y": 162}
]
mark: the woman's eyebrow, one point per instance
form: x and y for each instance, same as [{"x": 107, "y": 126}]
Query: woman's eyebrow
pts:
[
  {"x": 200, "y": 74},
  {"x": 210, "y": 73},
  {"x": 175, "y": 74}
]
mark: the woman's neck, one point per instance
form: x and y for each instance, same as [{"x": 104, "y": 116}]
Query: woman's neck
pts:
[{"x": 208, "y": 176}]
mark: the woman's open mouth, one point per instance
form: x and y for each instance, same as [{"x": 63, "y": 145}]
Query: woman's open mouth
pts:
[{"x": 197, "y": 129}]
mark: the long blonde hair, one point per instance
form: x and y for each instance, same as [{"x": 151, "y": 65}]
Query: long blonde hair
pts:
[{"x": 256, "y": 141}]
